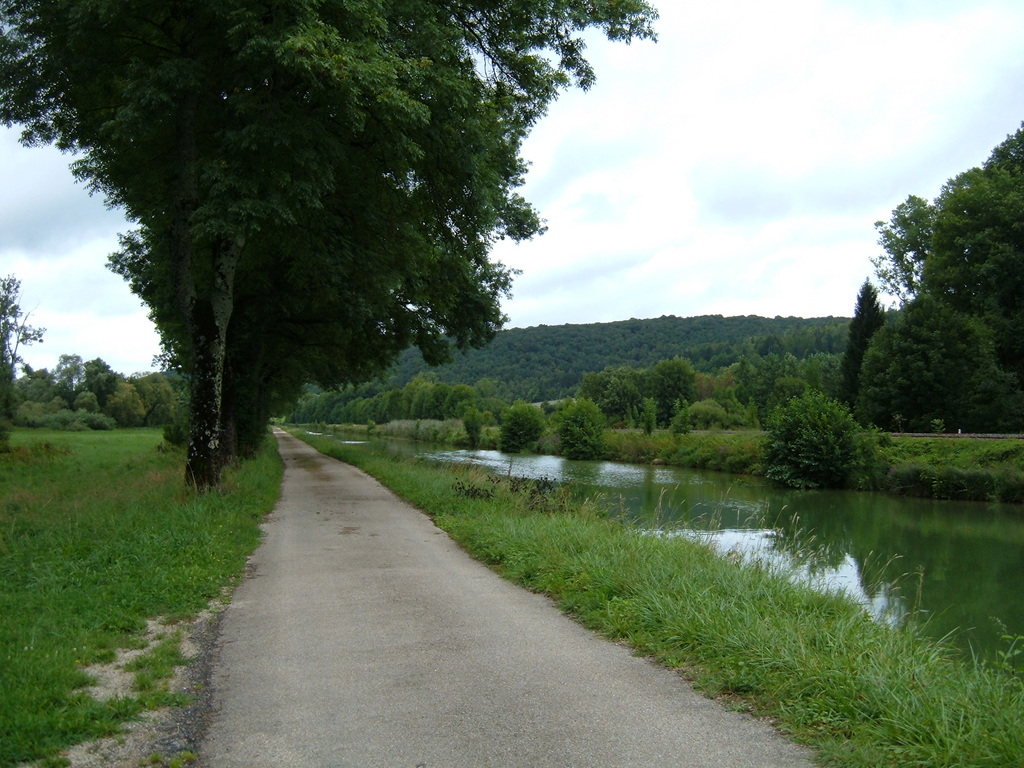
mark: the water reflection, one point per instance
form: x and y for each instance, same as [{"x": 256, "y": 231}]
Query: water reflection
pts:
[{"x": 956, "y": 566}]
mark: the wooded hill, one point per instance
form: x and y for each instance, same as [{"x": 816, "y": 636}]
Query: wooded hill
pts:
[{"x": 547, "y": 362}]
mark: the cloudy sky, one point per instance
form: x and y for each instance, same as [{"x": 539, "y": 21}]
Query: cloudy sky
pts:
[{"x": 735, "y": 167}]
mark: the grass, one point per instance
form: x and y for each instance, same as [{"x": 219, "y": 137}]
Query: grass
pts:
[
  {"x": 860, "y": 693},
  {"x": 98, "y": 534}
]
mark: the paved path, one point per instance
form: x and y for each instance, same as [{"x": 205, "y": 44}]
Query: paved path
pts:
[{"x": 364, "y": 637}]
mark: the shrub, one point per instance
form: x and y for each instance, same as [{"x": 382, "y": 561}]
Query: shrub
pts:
[
  {"x": 472, "y": 422},
  {"x": 709, "y": 414},
  {"x": 649, "y": 416},
  {"x": 680, "y": 423},
  {"x": 811, "y": 442},
  {"x": 521, "y": 426},
  {"x": 87, "y": 401},
  {"x": 581, "y": 429},
  {"x": 176, "y": 433}
]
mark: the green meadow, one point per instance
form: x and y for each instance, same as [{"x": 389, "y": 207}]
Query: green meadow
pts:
[{"x": 98, "y": 536}]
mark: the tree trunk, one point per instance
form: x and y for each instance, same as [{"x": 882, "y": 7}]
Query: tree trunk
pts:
[
  {"x": 208, "y": 451},
  {"x": 206, "y": 309}
]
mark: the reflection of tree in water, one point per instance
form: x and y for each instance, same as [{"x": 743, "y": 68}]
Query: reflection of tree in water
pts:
[{"x": 952, "y": 565}]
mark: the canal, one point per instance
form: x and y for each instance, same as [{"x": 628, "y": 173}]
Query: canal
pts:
[{"x": 957, "y": 568}]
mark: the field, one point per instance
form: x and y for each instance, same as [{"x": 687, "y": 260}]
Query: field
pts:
[{"x": 100, "y": 542}]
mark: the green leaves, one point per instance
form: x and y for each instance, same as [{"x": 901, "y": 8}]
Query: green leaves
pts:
[{"x": 810, "y": 442}]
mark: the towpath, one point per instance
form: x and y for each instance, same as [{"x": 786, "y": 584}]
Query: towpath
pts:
[{"x": 364, "y": 637}]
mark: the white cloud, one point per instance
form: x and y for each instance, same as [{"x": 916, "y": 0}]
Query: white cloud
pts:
[
  {"x": 738, "y": 165},
  {"x": 735, "y": 167}
]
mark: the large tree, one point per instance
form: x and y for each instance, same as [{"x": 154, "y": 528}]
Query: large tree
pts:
[
  {"x": 977, "y": 260},
  {"x": 317, "y": 185},
  {"x": 957, "y": 354},
  {"x": 937, "y": 365}
]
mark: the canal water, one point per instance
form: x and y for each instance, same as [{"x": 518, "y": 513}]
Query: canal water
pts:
[{"x": 955, "y": 567}]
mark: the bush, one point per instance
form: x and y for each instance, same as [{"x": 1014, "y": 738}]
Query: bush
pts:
[
  {"x": 680, "y": 423},
  {"x": 176, "y": 433},
  {"x": 581, "y": 429},
  {"x": 709, "y": 414},
  {"x": 472, "y": 422},
  {"x": 811, "y": 442},
  {"x": 521, "y": 426},
  {"x": 649, "y": 416}
]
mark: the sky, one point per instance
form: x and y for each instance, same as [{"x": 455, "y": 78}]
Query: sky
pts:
[{"x": 735, "y": 167}]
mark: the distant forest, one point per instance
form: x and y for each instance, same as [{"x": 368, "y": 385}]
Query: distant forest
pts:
[
  {"x": 610, "y": 361},
  {"x": 547, "y": 362}
]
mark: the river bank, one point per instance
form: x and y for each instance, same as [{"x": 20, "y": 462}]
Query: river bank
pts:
[
  {"x": 956, "y": 467},
  {"x": 862, "y": 693}
]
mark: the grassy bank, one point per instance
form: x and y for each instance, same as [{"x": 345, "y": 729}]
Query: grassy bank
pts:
[
  {"x": 860, "y": 693},
  {"x": 98, "y": 535}
]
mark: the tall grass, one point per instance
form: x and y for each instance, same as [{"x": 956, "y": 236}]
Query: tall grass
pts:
[
  {"x": 861, "y": 693},
  {"x": 98, "y": 533}
]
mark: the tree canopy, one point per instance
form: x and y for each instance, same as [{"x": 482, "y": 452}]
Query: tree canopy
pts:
[
  {"x": 956, "y": 354},
  {"x": 316, "y": 185}
]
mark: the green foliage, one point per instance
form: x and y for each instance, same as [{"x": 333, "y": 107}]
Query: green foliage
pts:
[
  {"x": 125, "y": 406},
  {"x": 255, "y": 151},
  {"x": 86, "y": 401},
  {"x": 955, "y": 468},
  {"x": 956, "y": 261},
  {"x": 810, "y": 443},
  {"x": 522, "y": 425},
  {"x": 668, "y": 382},
  {"x": 548, "y": 362},
  {"x": 580, "y": 429},
  {"x": 472, "y": 422},
  {"x": 736, "y": 453},
  {"x": 681, "y": 421},
  {"x": 907, "y": 241},
  {"x": 868, "y": 318},
  {"x": 710, "y": 414},
  {"x": 649, "y": 416},
  {"x": 935, "y": 363}
]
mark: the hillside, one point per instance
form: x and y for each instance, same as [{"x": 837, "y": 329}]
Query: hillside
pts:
[{"x": 548, "y": 361}]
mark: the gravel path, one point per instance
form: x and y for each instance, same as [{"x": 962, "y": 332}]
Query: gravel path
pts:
[{"x": 364, "y": 637}]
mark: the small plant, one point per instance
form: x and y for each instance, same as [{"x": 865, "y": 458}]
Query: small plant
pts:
[{"x": 182, "y": 758}]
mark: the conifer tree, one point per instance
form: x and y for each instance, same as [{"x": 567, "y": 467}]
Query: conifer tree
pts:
[{"x": 868, "y": 317}]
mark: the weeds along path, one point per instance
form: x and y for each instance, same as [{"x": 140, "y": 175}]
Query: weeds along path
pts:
[{"x": 364, "y": 637}]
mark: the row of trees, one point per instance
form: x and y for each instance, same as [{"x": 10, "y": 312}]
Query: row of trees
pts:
[
  {"x": 91, "y": 395},
  {"x": 739, "y": 396},
  {"x": 315, "y": 186},
  {"x": 422, "y": 398}
]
